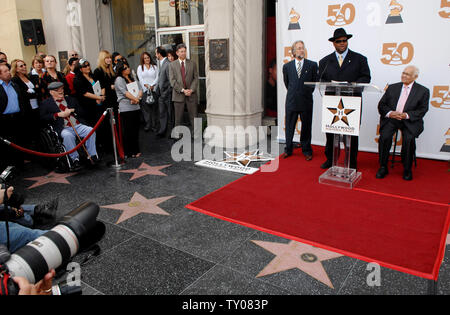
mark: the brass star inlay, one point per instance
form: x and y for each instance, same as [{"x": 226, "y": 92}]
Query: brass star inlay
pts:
[
  {"x": 50, "y": 178},
  {"x": 146, "y": 170}
]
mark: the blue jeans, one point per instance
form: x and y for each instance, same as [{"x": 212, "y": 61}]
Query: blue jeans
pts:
[
  {"x": 20, "y": 232},
  {"x": 69, "y": 140}
]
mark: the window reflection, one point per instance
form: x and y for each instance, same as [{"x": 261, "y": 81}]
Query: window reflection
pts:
[{"x": 174, "y": 13}]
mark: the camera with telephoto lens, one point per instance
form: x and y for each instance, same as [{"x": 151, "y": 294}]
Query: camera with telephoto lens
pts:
[
  {"x": 16, "y": 200},
  {"x": 76, "y": 232}
]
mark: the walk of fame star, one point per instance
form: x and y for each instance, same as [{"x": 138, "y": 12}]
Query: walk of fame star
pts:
[
  {"x": 296, "y": 255},
  {"x": 145, "y": 170},
  {"x": 340, "y": 113},
  {"x": 246, "y": 158},
  {"x": 139, "y": 204},
  {"x": 50, "y": 178}
]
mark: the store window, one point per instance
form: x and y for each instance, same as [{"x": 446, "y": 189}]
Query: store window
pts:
[
  {"x": 173, "y": 13},
  {"x": 134, "y": 28}
]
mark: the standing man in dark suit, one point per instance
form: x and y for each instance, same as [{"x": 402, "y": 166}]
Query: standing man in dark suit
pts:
[
  {"x": 403, "y": 107},
  {"x": 343, "y": 65},
  {"x": 14, "y": 109},
  {"x": 299, "y": 99},
  {"x": 163, "y": 90},
  {"x": 184, "y": 81}
]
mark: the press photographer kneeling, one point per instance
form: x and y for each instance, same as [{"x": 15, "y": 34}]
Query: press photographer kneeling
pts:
[{"x": 36, "y": 261}]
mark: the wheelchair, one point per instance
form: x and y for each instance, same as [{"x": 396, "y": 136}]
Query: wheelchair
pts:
[{"x": 51, "y": 143}]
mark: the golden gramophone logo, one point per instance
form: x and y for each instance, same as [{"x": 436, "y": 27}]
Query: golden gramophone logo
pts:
[
  {"x": 294, "y": 18},
  {"x": 395, "y": 54},
  {"x": 395, "y": 14},
  {"x": 340, "y": 113},
  {"x": 441, "y": 97},
  {"x": 446, "y": 146},
  {"x": 340, "y": 15},
  {"x": 445, "y": 9}
]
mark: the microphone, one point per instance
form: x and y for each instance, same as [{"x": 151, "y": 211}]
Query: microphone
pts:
[{"x": 321, "y": 75}]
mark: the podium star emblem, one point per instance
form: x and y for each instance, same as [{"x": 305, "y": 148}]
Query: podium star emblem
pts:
[
  {"x": 50, "y": 178},
  {"x": 297, "y": 256},
  {"x": 246, "y": 158},
  {"x": 340, "y": 113},
  {"x": 139, "y": 204},
  {"x": 145, "y": 170}
]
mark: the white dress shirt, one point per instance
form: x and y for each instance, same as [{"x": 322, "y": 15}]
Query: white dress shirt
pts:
[{"x": 147, "y": 76}]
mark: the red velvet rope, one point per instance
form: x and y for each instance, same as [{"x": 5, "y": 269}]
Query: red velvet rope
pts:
[{"x": 15, "y": 146}]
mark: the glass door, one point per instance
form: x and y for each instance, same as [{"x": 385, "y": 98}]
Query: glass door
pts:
[{"x": 194, "y": 39}]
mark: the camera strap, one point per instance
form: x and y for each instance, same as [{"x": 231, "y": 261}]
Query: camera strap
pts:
[
  {"x": 4, "y": 279},
  {"x": 5, "y": 202}
]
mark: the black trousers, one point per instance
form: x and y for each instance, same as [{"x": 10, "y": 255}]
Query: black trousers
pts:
[
  {"x": 130, "y": 130},
  {"x": 166, "y": 115},
  {"x": 385, "y": 143},
  {"x": 15, "y": 129},
  {"x": 306, "y": 132},
  {"x": 329, "y": 148}
]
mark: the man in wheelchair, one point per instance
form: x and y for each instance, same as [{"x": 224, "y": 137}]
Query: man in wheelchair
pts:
[{"x": 60, "y": 113}]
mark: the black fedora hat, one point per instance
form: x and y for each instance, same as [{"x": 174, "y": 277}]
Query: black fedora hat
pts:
[{"x": 340, "y": 32}]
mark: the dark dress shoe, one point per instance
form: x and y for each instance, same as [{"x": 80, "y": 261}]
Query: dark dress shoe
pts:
[
  {"x": 46, "y": 210},
  {"x": 308, "y": 158},
  {"x": 76, "y": 166},
  {"x": 326, "y": 165},
  {"x": 382, "y": 172},
  {"x": 285, "y": 155},
  {"x": 407, "y": 175}
]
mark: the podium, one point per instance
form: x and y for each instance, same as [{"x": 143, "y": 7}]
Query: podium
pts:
[{"x": 341, "y": 116}]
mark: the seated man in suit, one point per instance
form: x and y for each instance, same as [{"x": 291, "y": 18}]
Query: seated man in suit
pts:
[
  {"x": 403, "y": 107},
  {"x": 59, "y": 111}
]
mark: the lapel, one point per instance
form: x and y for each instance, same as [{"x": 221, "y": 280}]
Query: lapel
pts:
[
  {"x": 412, "y": 96},
  {"x": 347, "y": 61}
]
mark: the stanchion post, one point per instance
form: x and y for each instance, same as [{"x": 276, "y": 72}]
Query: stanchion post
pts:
[{"x": 112, "y": 120}]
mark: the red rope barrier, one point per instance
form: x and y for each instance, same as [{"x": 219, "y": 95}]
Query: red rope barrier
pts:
[{"x": 15, "y": 146}]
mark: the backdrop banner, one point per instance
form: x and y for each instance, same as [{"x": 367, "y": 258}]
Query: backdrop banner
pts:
[{"x": 391, "y": 34}]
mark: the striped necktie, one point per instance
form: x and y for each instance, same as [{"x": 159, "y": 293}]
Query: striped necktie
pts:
[{"x": 299, "y": 70}]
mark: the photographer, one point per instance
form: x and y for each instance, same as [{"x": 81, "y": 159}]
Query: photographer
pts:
[{"x": 19, "y": 235}]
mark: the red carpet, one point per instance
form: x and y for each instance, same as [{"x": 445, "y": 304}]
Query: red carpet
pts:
[{"x": 400, "y": 225}]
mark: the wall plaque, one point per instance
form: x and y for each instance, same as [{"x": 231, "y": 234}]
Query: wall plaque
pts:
[{"x": 219, "y": 55}]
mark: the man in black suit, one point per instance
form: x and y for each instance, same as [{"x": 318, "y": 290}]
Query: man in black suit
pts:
[
  {"x": 403, "y": 107},
  {"x": 59, "y": 112},
  {"x": 343, "y": 65},
  {"x": 299, "y": 99},
  {"x": 14, "y": 108},
  {"x": 164, "y": 92}
]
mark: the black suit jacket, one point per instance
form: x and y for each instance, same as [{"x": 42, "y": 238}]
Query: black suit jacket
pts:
[
  {"x": 49, "y": 108},
  {"x": 299, "y": 97},
  {"x": 355, "y": 68},
  {"x": 416, "y": 106},
  {"x": 24, "y": 103}
]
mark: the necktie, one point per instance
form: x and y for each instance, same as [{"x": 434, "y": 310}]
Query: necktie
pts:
[
  {"x": 402, "y": 101},
  {"x": 341, "y": 60},
  {"x": 183, "y": 74},
  {"x": 299, "y": 70}
]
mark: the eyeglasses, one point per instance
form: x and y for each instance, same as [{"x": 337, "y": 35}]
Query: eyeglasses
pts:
[
  {"x": 85, "y": 65},
  {"x": 22, "y": 65},
  {"x": 340, "y": 41},
  {"x": 74, "y": 55}
]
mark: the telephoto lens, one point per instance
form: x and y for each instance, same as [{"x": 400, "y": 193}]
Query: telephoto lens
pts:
[{"x": 76, "y": 232}]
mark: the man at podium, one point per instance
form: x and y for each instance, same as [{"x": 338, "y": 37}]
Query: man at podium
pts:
[
  {"x": 402, "y": 107},
  {"x": 343, "y": 65}
]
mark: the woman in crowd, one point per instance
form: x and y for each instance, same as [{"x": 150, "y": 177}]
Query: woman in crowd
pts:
[
  {"x": 52, "y": 75},
  {"x": 20, "y": 78},
  {"x": 129, "y": 109},
  {"x": 70, "y": 75},
  {"x": 171, "y": 55},
  {"x": 106, "y": 76},
  {"x": 37, "y": 67},
  {"x": 89, "y": 102},
  {"x": 147, "y": 73}
]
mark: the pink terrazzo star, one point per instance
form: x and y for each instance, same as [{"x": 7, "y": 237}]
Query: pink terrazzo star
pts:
[
  {"x": 145, "y": 170},
  {"x": 139, "y": 204},
  {"x": 296, "y": 255},
  {"x": 50, "y": 178}
]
